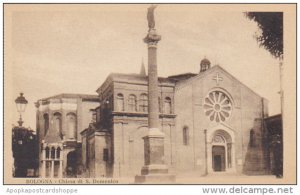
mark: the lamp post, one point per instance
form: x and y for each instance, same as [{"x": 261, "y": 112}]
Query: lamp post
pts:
[
  {"x": 21, "y": 103},
  {"x": 24, "y": 145}
]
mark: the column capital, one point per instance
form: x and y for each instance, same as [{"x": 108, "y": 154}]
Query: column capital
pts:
[{"x": 152, "y": 38}]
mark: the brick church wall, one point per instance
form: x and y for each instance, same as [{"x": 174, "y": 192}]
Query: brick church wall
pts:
[{"x": 189, "y": 97}]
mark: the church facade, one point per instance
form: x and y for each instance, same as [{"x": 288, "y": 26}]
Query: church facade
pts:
[{"x": 211, "y": 122}]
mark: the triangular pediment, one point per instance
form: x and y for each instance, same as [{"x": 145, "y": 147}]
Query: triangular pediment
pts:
[{"x": 217, "y": 75}]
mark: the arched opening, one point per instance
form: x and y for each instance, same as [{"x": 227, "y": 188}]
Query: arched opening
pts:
[
  {"x": 47, "y": 152},
  {"x": 185, "y": 134},
  {"x": 46, "y": 123},
  {"x": 53, "y": 153},
  {"x": 57, "y": 122},
  {"x": 71, "y": 164},
  {"x": 120, "y": 102},
  {"x": 167, "y": 106},
  {"x": 159, "y": 105},
  {"x": 252, "y": 138},
  {"x": 72, "y": 125},
  {"x": 218, "y": 153},
  {"x": 221, "y": 151},
  {"x": 143, "y": 103},
  {"x": 132, "y": 103},
  {"x": 58, "y": 153}
]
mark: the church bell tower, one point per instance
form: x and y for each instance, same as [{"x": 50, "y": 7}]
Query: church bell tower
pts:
[{"x": 204, "y": 65}]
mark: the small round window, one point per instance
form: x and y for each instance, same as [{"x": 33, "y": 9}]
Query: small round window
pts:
[{"x": 217, "y": 106}]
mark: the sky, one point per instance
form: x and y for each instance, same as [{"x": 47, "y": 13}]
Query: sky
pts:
[{"x": 53, "y": 49}]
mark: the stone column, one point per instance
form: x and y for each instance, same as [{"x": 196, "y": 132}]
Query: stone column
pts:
[
  {"x": 233, "y": 159},
  {"x": 52, "y": 169},
  {"x": 154, "y": 141},
  {"x": 60, "y": 173},
  {"x": 155, "y": 170},
  {"x": 43, "y": 171},
  {"x": 63, "y": 162},
  {"x": 153, "y": 118},
  {"x": 209, "y": 157},
  {"x": 55, "y": 150},
  {"x": 205, "y": 142}
]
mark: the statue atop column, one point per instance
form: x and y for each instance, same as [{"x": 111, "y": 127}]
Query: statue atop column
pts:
[
  {"x": 150, "y": 17},
  {"x": 152, "y": 37}
]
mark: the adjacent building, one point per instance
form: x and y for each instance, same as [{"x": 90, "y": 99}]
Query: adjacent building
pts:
[{"x": 60, "y": 119}]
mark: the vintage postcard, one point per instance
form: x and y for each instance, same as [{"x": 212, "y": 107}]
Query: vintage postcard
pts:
[{"x": 149, "y": 94}]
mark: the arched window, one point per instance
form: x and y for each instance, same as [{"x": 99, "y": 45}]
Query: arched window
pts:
[
  {"x": 47, "y": 152},
  {"x": 144, "y": 103},
  {"x": 186, "y": 136},
  {"x": 159, "y": 105},
  {"x": 52, "y": 152},
  {"x": 132, "y": 103},
  {"x": 72, "y": 125},
  {"x": 167, "y": 105},
  {"x": 252, "y": 138},
  {"x": 57, "y": 122},
  {"x": 46, "y": 123},
  {"x": 58, "y": 153},
  {"x": 120, "y": 102}
]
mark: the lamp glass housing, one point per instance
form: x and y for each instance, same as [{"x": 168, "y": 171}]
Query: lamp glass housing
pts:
[{"x": 21, "y": 103}]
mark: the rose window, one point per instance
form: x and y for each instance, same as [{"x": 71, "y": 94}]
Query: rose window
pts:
[{"x": 217, "y": 106}]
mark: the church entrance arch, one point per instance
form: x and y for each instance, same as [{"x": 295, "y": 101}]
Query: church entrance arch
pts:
[{"x": 221, "y": 155}]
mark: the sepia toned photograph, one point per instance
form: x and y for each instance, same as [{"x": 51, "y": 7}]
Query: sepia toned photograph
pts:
[{"x": 149, "y": 94}]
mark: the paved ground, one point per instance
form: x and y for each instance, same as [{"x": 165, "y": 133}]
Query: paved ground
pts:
[
  {"x": 230, "y": 179},
  {"x": 220, "y": 179}
]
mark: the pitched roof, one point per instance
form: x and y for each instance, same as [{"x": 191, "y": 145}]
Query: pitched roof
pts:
[
  {"x": 132, "y": 78},
  {"x": 180, "y": 77},
  {"x": 140, "y": 77},
  {"x": 203, "y": 74},
  {"x": 52, "y": 136},
  {"x": 73, "y": 95}
]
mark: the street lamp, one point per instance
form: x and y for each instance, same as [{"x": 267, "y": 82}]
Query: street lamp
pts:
[{"x": 21, "y": 103}]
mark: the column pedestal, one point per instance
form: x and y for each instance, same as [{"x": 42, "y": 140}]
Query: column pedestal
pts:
[{"x": 155, "y": 170}]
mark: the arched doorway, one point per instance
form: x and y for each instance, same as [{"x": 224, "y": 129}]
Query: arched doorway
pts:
[
  {"x": 218, "y": 158},
  {"x": 220, "y": 152}
]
